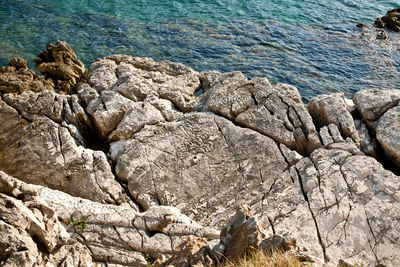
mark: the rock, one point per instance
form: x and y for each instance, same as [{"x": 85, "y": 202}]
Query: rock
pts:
[
  {"x": 18, "y": 63},
  {"x": 37, "y": 148},
  {"x": 367, "y": 143},
  {"x": 372, "y": 104},
  {"x": 388, "y": 134},
  {"x": 143, "y": 139},
  {"x": 60, "y": 63},
  {"x": 194, "y": 251},
  {"x": 30, "y": 233},
  {"x": 352, "y": 199},
  {"x": 241, "y": 235},
  {"x": 382, "y": 35},
  {"x": 276, "y": 111},
  {"x": 327, "y": 109},
  {"x": 17, "y": 78},
  {"x": 391, "y": 20},
  {"x": 185, "y": 162},
  {"x": 113, "y": 234}
]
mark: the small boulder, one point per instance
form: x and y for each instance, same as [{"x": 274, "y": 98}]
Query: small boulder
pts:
[
  {"x": 17, "y": 78},
  {"x": 61, "y": 64},
  {"x": 391, "y": 20}
]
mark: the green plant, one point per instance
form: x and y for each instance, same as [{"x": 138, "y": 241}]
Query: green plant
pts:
[
  {"x": 149, "y": 260},
  {"x": 79, "y": 225}
]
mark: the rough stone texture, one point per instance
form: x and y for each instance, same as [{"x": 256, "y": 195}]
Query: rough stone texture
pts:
[
  {"x": 185, "y": 162},
  {"x": 60, "y": 63},
  {"x": 275, "y": 111},
  {"x": 241, "y": 234},
  {"x": 17, "y": 78},
  {"x": 194, "y": 251},
  {"x": 37, "y": 148},
  {"x": 353, "y": 201},
  {"x": 205, "y": 142},
  {"x": 388, "y": 134},
  {"x": 30, "y": 234},
  {"x": 372, "y": 104},
  {"x": 367, "y": 143},
  {"x": 113, "y": 234},
  {"x": 391, "y": 20},
  {"x": 327, "y": 109}
]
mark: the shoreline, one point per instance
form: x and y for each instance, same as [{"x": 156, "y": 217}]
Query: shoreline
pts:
[{"x": 148, "y": 153}]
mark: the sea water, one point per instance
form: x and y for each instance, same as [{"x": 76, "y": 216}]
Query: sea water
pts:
[{"x": 313, "y": 44}]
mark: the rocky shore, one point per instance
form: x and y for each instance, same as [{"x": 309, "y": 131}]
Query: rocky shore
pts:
[{"x": 134, "y": 161}]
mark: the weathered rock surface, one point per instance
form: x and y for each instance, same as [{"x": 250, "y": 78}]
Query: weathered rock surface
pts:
[
  {"x": 380, "y": 112},
  {"x": 187, "y": 161},
  {"x": 353, "y": 201},
  {"x": 30, "y": 233},
  {"x": 112, "y": 234},
  {"x": 60, "y": 63},
  {"x": 17, "y": 78},
  {"x": 241, "y": 234},
  {"x": 38, "y": 147},
  {"x": 327, "y": 109},
  {"x": 387, "y": 133},
  {"x": 391, "y": 20},
  {"x": 205, "y": 142}
]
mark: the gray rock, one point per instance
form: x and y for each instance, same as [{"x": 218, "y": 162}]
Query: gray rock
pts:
[
  {"x": 113, "y": 234},
  {"x": 353, "y": 201},
  {"x": 327, "y": 109},
  {"x": 38, "y": 150},
  {"x": 30, "y": 233},
  {"x": 185, "y": 162},
  {"x": 372, "y": 104},
  {"x": 388, "y": 134}
]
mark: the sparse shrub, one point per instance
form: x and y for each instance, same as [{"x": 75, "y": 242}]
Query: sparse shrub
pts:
[{"x": 79, "y": 225}]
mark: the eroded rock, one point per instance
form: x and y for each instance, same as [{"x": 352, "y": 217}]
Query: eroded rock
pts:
[
  {"x": 60, "y": 63},
  {"x": 31, "y": 234},
  {"x": 36, "y": 147},
  {"x": 391, "y": 20},
  {"x": 17, "y": 78},
  {"x": 327, "y": 109},
  {"x": 113, "y": 234},
  {"x": 388, "y": 134},
  {"x": 183, "y": 163}
]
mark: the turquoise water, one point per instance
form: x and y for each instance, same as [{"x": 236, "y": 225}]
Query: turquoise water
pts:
[{"x": 312, "y": 44}]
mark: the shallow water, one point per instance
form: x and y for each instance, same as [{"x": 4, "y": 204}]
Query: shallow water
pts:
[{"x": 312, "y": 44}]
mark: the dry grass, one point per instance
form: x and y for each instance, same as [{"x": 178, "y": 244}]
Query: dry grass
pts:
[{"x": 276, "y": 259}]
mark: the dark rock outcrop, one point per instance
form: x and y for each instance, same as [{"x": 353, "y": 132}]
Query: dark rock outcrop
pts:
[
  {"x": 391, "y": 20},
  {"x": 60, "y": 63},
  {"x": 17, "y": 78}
]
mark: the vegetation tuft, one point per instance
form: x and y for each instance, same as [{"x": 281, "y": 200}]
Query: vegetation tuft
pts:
[{"x": 79, "y": 225}]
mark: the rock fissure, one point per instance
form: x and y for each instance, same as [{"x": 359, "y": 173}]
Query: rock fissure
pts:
[{"x": 326, "y": 259}]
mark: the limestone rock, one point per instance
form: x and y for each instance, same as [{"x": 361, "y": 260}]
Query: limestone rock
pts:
[
  {"x": 388, "y": 134},
  {"x": 185, "y": 162},
  {"x": 60, "y": 63},
  {"x": 194, "y": 251},
  {"x": 275, "y": 111},
  {"x": 38, "y": 150},
  {"x": 136, "y": 78},
  {"x": 241, "y": 234},
  {"x": 30, "y": 233},
  {"x": 367, "y": 143},
  {"x": 353, "y": 201},
  {"x": 327, "y": 109},
  {"x": 113, "y": 234},
  {"x": 17, "y": 78},
  {"x": 372, "y": 104}
]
